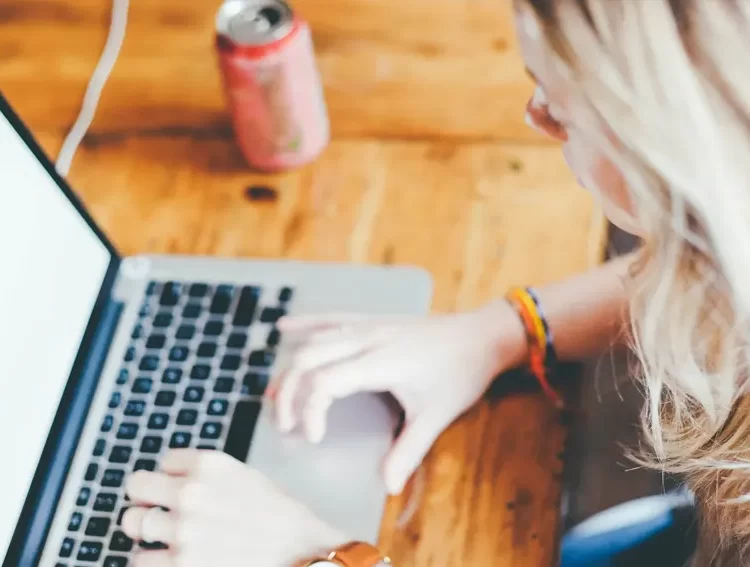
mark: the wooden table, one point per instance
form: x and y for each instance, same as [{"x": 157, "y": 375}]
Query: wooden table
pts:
[{"x": 431, "y": 164}]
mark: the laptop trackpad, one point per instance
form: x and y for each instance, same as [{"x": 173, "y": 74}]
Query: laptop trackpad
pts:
[{"x": 340, "y": 479}]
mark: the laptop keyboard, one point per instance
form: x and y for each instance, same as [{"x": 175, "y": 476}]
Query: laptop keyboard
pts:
[{"x": 198, "y": 358}]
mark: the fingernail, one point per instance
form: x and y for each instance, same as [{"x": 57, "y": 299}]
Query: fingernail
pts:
[
  {"x": 393, "y": 485},
  {"x": 316, "y": 435}
]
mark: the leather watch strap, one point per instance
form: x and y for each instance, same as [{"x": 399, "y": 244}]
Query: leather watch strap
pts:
[{"x": 359, "y": 554}]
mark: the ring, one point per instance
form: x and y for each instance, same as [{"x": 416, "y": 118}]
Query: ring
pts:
[{"x": 147, "y": 522}]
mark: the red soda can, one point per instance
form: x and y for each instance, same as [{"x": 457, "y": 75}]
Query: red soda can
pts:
[{"x": 272, "y": 84}]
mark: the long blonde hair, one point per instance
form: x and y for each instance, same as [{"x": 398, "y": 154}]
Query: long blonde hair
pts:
[{"x": 663, "y": 88}]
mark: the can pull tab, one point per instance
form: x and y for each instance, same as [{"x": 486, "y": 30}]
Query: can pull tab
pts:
[{"x": 260, "y": 21}]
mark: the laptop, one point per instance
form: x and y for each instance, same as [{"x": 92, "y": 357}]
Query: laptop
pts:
[{"x": 108, "y": 361}]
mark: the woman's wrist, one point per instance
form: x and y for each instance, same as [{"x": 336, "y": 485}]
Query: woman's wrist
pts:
[{"x": 506, "y": 332}]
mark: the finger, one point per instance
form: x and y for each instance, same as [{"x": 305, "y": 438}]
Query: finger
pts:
[
  {"x": 154, "y": 489},
  {"x": 408, "y": 451},
  {"x": 331, "y": 383},
  {"x": 287, "y": 389},
  {"x": 150, "y": 525},
  {"x": 181, "y": 462},
  {"x": 310, "y": 323},
  {"x": 160, "y": 558}
]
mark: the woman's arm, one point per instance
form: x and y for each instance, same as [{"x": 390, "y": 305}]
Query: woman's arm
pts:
[{"x": 586, "y": 313}]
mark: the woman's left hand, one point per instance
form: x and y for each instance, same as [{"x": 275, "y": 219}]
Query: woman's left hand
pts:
[{"x": 221, "y": 512}]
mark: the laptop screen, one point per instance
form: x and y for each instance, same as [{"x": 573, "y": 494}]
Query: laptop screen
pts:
[{"x": 52, "y": 266}]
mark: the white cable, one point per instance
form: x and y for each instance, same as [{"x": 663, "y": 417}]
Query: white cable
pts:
[{"x": 96, "y": 85}]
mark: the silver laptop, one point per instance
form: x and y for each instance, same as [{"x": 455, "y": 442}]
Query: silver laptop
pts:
[{"x": 107, "y": 362}]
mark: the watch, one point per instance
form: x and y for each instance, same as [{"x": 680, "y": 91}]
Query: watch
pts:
[{"x": 353, "y": 554}]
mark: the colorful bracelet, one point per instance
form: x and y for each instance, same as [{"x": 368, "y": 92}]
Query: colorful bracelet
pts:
[{"x": 542, "y": 354}]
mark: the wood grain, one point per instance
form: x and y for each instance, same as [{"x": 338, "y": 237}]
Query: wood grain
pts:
[{"x": 430, "y": 165}]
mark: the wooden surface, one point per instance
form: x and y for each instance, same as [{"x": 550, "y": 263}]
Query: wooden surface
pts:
[{"x": 431, "y": 164}]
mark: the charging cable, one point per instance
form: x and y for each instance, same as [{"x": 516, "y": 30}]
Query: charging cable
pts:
[{"x": 96, "y": 84}]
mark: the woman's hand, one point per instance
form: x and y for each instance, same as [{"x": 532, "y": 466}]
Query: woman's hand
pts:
[
  {"x": 221, "y": 512},
  {"x": 436, "y": 367}
]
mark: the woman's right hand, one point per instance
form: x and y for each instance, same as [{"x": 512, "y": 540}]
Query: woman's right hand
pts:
[{"x": 436, "y": 367}]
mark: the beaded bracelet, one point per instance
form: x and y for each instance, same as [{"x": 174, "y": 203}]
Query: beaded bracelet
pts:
[{"x": 542, "y": 354}]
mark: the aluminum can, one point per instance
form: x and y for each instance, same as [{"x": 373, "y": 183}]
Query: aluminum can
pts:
[{"x": 271, "y": 83}]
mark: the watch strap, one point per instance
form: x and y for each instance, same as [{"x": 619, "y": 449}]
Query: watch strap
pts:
[{"x": 359, "y": 554}]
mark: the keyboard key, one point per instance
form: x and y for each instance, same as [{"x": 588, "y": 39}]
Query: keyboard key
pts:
[
  {"x": 149, "y": 362},
  {"x": 145, "y": 465},
  {"x": 162, "y": 320},
  {"x": 225, "y": 288},
  {"x": 120, "y": 454},
  {"x": 165, "y": 398},
  {"x": 206, "y": 447},
  {"x": 246, "y": 306},
  {"x": 66, "y": 549},
  {"x": 89, "y": 551},
  {"x": 193, "y": 394},
  {"x": 91, "y": 472},
  {"x": 231, "y": 362},
  {"x": 213, "y": 328},
  {"x": 145, "y": 310},
  {"x": 120, "y": 514},
  {"x": 178, "y": 353},
  {"x": 211, "y": 430},
  {"x": 198, "y": 290},
  {"x": 224, "y": 385},
  {"x": 137, "y": 332},
  {"x": 135, "y": 408},
  {"x": 192, "y": 311},
  {"x": 75, "y": 522},
  {"x": 152, "y": 287},
  {"x": 113, "y": 478},
  {"x": 151, "y": 444},
  {"x": 241, "y": 429},
  {"x": 98, "y": 526},
  {"x": 187, "y": 417},
  {"x": 185, "y": 332},
  {"x": 171, "y": 376},
  {"x": 218, "y": 407},
  {"x": 237, "y": 340},
  {"x": 83, "y": 496},
  {"x": 262, "y": 358},
  {"x": 151, "y": 545},
  {"x": 286, "y": 294},
  {"x": 156, "y": 341},
  {"x": 99, "y": 447},
  {"x": 129, "y": 354},
  {"x": 120, "y": 542},
  {"x": 272, "y": 314},
  {"x": 142, "y": 385},
  {"x": 274, "y": 338},
  {"x": 158, "y": 421},
  {"x": 122, "y": 377},
  {"x": 180, "y": 440},
  {"x": 254, "y": 384},
  {"x": 170, "y": 294},
  {"x": 115, "y": 561},
  {"x": 105, "y": 502},
  {"x": 220, "y": 302},
  {"x": 127, "y": 431},
  {"x": 200, "y": 372},
  {"x": 206, "y": 350},
  {"x": 107, "y": 423},
  {"x": 114, "y": 400}
]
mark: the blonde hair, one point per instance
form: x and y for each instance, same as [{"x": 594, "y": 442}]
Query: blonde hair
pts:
[{"x": 663, "y": 88}]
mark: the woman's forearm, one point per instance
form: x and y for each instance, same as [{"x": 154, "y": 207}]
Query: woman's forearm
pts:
[{"x": 587, "y": 313}]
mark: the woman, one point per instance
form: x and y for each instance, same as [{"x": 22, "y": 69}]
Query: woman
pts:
[{"x": 651, "y": 100}]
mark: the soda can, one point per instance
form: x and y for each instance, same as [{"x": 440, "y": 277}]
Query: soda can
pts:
[{"x": 271, "y": 83}]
